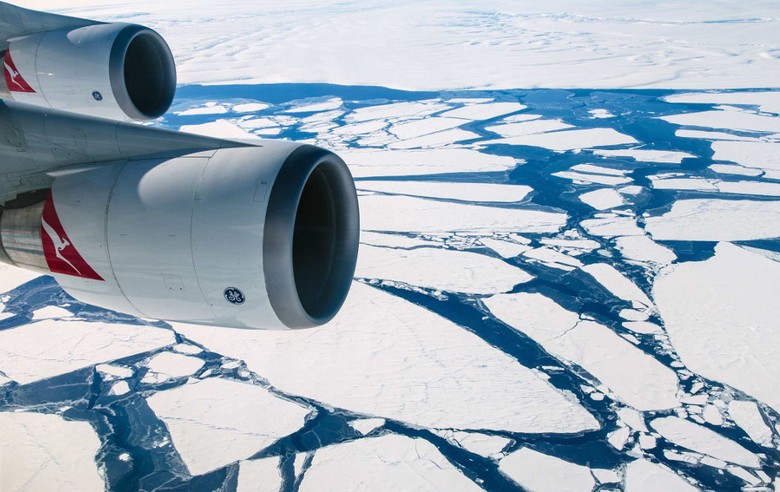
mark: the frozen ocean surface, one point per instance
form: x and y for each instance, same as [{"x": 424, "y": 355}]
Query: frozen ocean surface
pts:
[
  {"x": 559, "y": 287},
  {"x": 527, "y": 307}
]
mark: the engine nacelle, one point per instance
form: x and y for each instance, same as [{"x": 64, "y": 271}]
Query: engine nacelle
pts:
[
  {"x": 254, "y": 237},
  {"x": 116, "y": 71}
]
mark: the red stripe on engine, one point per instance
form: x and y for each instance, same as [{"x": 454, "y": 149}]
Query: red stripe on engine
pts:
[
  {"x": 13, "y": 78},
  {"x": 60, "y": 253}
]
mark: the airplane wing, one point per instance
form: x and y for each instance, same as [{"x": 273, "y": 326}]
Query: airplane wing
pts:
[
  {"x": 16, "y": 21},
  {"x": 152, "y": 222}
]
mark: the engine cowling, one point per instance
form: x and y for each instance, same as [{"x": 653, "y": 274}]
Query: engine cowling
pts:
[
  {"x": 118, "y": 71},
  {"x": 254, "y": 237}
]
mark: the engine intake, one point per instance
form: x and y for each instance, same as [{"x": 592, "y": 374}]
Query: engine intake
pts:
[{"x": 118, "y": 71}]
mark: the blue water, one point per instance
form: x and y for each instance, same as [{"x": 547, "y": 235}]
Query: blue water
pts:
[{"x": 125, "y": 424}]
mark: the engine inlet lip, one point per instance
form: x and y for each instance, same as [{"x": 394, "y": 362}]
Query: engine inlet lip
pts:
[
  {"x": 117, "y": 76},
  {"x": 279, "y": 231}
]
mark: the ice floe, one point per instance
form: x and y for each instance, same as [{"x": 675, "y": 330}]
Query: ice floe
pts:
[
  {"x": 235, "y": 419},
  {"x": 371, "y": 163},
  {"x": 540, "y": 472},
  {"x": 730, "y": 119},
  {"x": 259, "y": 476},
  {"x": 505, "y": 248},
  {"x": 51, "y": 347},
  {"x": 759, "y": 155},
  {"x": 12, "y": 277},
  {"x": 703, "y": 440},
  {"x": 441, "y": 269},
  {"x": 46, "y": 452},
  {"x": 603, "y": 199},
  {"x": 482, "y": 444},
  {"x": 645, "y": 476},
  {"x": 385, "y": 357},
  {"x": 722, "y": 319},
  {"x": 644, "y": 249},
  {"x": 568, "y": 139},
  {"x": 634, "y": 377},
  {"x": 484, "y": 111},
  {"x": 716, "y": 220},
  {"x": 166, "y": 365},
  {"x": 617, "y": 283},
  {"x": 386, "y": 463},
  {"x": 611, "y": 226},
  {"x": 476, "y": 192},
  {"x": 411, "y": 214},
  {"x": 645, "y": 155},
  {"x": 366, "y": 426},
  {"x": 747, "y": 416}
]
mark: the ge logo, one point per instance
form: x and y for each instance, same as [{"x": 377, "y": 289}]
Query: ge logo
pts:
[
  {"x": 97, "y": 95},
  {"x": 234, "y": 295}
]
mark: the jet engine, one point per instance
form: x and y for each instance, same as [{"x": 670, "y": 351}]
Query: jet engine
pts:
[
  {"x": 119, "y": 71},
  {"x": 252, "y": 237}
]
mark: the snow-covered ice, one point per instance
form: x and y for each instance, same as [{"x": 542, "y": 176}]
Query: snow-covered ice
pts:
[
  {"x": 699, "y": 438},
  {"x": 216, "y": 421},
  {"x": 441, "y": 269},
  {"x": 387, "y": 463},
  {"x": 542, "y": 473},
  {"x": 42, "y": 452},
  {"x": 722, "y": 319},
  {"x": 717, "y": 220},
  {"x": 645, "y": 476},
  {"x": 635, "y": 377},
  {"x": 410, "y": 365},
  {"x": 260, "y": 475},
  {"x": 476, "y": 192},
  {"x": 603, "y": 199},
  {"x": 51, "y": 347},
  {"x": 748, "y": 418},
  {"x": 411, "y": 214},
  {"x": 166, "y": 365}
]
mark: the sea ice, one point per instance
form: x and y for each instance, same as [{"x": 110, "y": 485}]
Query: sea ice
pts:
[
  {"x": 528, "y": 127},
  {"x": 411, "y": 365},
  {"x": 721, "y": 316},
  {"x": 12, "y": 277},
  {"x": 767, "y": 101},
  {"x": 485, "y": 111},
  {"x": 717, "y": 220},
  {"x": 644, "y": 249},
  {"x": 643, "y": 155},
  {"x": 46, "y": 452},
  {"x": 259, "y": 475},
  {"x": 386, "y": 463},
  {"x": 366, "y": 426},
  {"x": 440, "y": 269},
  {"x": 703, "y": 440},
  {"x": 730, "y": 119},
  {"x": 50, "y": 312},
  {"x": 381, "y": 162},
  {"x": 612, "y": 226},
  {"x": 617, "y": 283},
  {"x": 636, "y": 378},
  {"x": 482, "y": 444},
  {"x": 474, "y": 192},
  {"x": 215, "y": 421},
  {"x": 644, "y": 476},
  {"x": 411, "y": 214},
  {"x": 48, "y": 348},
  {"x": 568, "y": 139},
  {"x": 591, "y": 178},
  {"x": 603, "y": 199},
  {"x": 541, "y": 472},
  {"x": 433, "y": 140},
  {"x": 168, "y": 365},
  {"x": 507, "y": 249},
  {"x": 760, "y": 155},
  {"x": 747, "y": 416}
]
